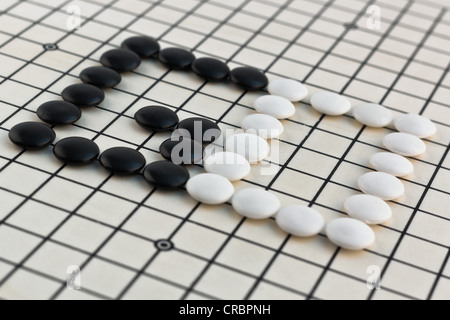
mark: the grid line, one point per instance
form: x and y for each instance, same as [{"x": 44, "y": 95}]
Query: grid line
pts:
[{"x": 326, "y": 266}]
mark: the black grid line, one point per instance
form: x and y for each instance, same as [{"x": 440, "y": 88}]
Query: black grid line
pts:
[
  {"x": 437, "y": 169},
  {"x": 239, "y": 102},
  {"x": 300, "y": 147},
  {"x": 128, "y": 287},
  {"x": 348, "y": 58},
  {"x": 269, "y": 35}
]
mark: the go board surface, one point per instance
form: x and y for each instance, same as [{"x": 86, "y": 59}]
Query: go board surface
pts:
[{"x": 133, "y": 241}]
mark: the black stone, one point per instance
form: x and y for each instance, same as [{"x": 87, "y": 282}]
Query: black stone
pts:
[
  {"x": 83, "y": 95},
  {"x": 76, "y": 150},
  {"x": 101, "y": 77},
  {"x": 59, "y": 113},
  {"x": 32, "y": 135},
  {"x": 157, "y": 119},
  {"x": 166, "y": 175},
  {"x": 145, "y": 47},
  {"x": 176, "y": 58},
  {"x": 120, "y": 60},
  {"x": 249, "y": 78},
  {"x": 199, "y": 129},
  {"x": 187, "y": 151},
  {"x": 124, "y": 161},
  {"x": 211, "y": 69}
]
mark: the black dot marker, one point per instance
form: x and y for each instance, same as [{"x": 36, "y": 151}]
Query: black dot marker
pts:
[
  {"x": 76, "y": 150},
  {"x": 32, "y": 135},
  {"x": 121, "y": 60},
  {"x": 145, "y": 47},
  {"x": 164, "y": 245},
  {"x": 83, "y": 95},
  {"x": 101, "y": 77},
  {"x": 351, "y": 26},
  {"x": 211, "y": 69},
  {"x": 176, "y": 58},
  {"x": 123, "y": 161},
  {"x": 157, "y": 119},
  {"x": 166, "y": 175},
  {"x": 59, "y": 113},
  {"x": 249, "y": 78},
  {"x": 51, "y": 47}
]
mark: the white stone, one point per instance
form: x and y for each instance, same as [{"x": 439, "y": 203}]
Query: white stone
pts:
[
  {"x": 405, "y": 144},
  {"x": 368, "y": 209},
  {"x": 330, "y": 103},
  {"x": 287, "y": 88},
  {"x": 254, "y": 148},
  {"x": 373, "y": 115},
  {"x": 277, "y": 107},
  {"x": 300, "y": 221},
  {"x": 210, "y": 189},
  {"x": 392, "y": 163},
  {"x": 350, "y": 234},
  {"x": 381, "y": 185},
  {"x": 256, "y": 204},
  {"x": 416, "y": 125},
  {"x": 263, "y": 125},
  {"x": 230, "y": 165}
]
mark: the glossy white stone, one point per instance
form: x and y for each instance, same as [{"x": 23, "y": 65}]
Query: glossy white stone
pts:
[
  {"x": 392, "y": 163},
  {"x": 252, "y": 147},
  {"x": 263, "y": 125},
  {"x": 275, "y": 106},
  {"x": 287, "y": 88},
  {"x": 210, "y": 189},
  {"x": 381, "y": 185},
  {"x": 331, "y": 103},
  {"x": 373, "y": 115},
  {"x": 368, "y": 209},
  {"x": 416, "y": 125},
  {"x": 300, "y": 221},
  {"x": 405, "y": 144},
  {"x": 256, "y": 204},
  {"x": 230, "y": 165},
  {"x": 350, "y": 234}
]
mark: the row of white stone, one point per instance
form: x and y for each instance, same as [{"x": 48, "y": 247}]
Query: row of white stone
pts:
[
  {"x": 251, "y": 147},
  {"x": 384, "y": 184}
]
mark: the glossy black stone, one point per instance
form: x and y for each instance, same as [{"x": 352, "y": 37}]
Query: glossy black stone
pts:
[
  {"x": 211, "y": 69},
  {"x": 83, "y": 95},
  {"x": 182, "y": 151},
  {"x": 121, "y": 160},
  {"x": 145, "y": 47},
  {"x": 59, "y": 113},
  {"x": 166, "y": 175},
  {"x": 101, "y": 77},
  {"x": 157, "y": 119},
  {"x": 249, "y": 78},
  {"x": 32, "y": 135},
  {"x": 176, "y": 58},
  {"x": 76, "y": 150},
  {"x": 120, "y": 60},
  {"x": 199, "y": 129}
]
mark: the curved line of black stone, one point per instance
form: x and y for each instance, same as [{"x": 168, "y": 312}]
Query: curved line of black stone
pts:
[{"x": 129, "y": 58}]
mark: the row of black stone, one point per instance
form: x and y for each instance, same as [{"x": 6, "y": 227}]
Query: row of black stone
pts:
[{"x": 126, "y": 161}]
